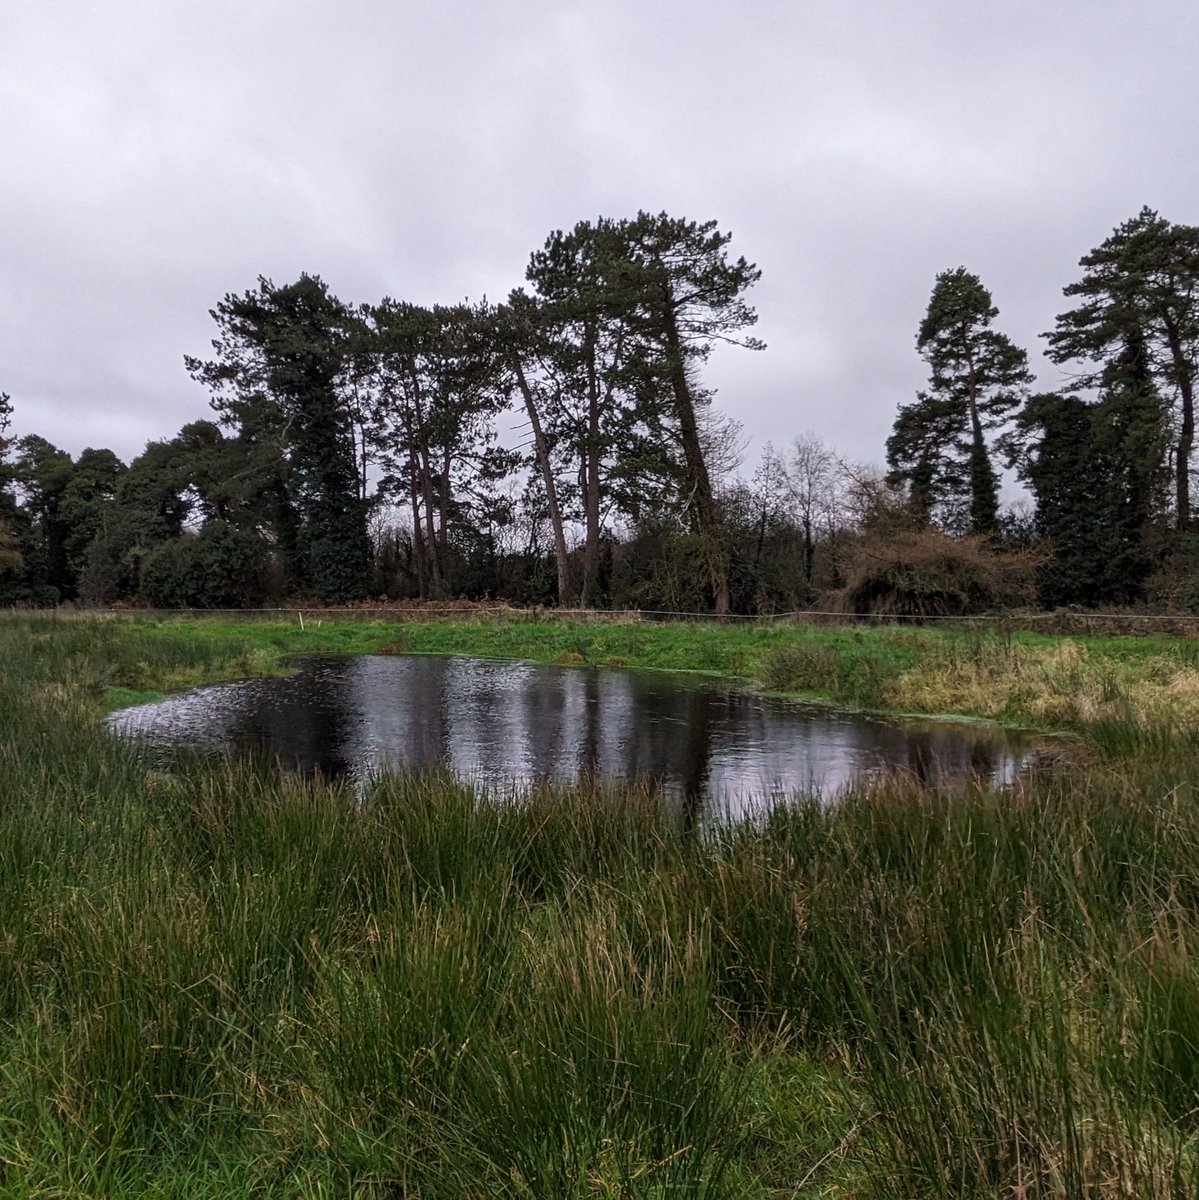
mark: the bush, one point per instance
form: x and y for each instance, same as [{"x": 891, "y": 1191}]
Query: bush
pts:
[
  {"x": 929, "y": 573},
  {"x": 224, "y": 567}
]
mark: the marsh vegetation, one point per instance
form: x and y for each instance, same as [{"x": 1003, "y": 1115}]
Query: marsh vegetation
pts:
[{"x": 218, "y": 981}]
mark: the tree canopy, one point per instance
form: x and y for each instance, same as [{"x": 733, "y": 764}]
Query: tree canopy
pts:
[
  {"x": 1139, "y": 309},
  {"x": 275, "y": 376}
]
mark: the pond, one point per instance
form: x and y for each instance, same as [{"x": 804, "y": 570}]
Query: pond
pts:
[{"x": 706, "y": 744}]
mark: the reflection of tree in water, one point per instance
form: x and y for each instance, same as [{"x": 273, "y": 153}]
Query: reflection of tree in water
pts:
[
  {"x": 303, "y": 723},
  {"x": 669, "y": 745},
  {"x": 516, "y": 725},
  {"x": 929, "y": 754},
  {"x": 545, "y": 709},
  {"x": 654, "y": 732},
  {"x": 696, "y": 765},
  {"x": 592, "y": 725},
  {"x": 922, "y": 760}
]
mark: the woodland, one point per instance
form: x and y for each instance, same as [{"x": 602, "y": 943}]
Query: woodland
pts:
[{"x": 561, "y": 448}]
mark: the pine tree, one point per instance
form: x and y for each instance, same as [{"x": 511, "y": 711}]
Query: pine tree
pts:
[
  {"x": 690, "y": 295},
  {"x": 1140, "y": 288},
  {"x": 978, "y": 376},
  {"x": 1098, "y": 476}
]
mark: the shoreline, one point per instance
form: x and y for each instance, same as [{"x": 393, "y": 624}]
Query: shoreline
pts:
[{"x": 1030, "y": 682}]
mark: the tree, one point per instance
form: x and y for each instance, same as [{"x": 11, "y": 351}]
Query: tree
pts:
[
  {"x": 5, "y": 420},
  {"x": 40, "y": 473},
  {"x": 1097, "y": 472},
  {"x": 1060, "y": 464},
  {"x": 86, "y": 508},
  {"x": 1141, "y": 288},
  {"x": 279, "y": 361},
  {"x": 978, "y": 376},
  {"x": 207, "y": 476},
  {"x": 521, "y": 342},
  {"x": 158, "y": 487},
  {"x": 811, "y": 472},
  {"x": 222, "y": 567},
  {"x": 12, "y": 562},
  {"x": 434, "y": 385},
  {"x": 590, "y": 357},
  {"x": 689, "y": 296},
  {"x": 769, "y": 567}
]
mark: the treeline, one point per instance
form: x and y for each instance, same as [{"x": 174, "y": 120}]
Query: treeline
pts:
[
  {"x": 356, "y": 448},
  {"x": 1107, "y": 459},
  {"x": 367, "y": 451}
]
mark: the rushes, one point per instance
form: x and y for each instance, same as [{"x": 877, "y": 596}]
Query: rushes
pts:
[{"x": 215, "y": 982}]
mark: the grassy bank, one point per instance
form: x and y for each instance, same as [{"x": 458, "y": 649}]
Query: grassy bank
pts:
[
  {"x": 1096, "y": 684},
  {"x": 214, "y": 982}
]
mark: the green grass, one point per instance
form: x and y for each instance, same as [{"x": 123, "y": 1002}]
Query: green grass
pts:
[
  {"x": 1092, "y": 684},
  {"x": 217, "y": 982}
]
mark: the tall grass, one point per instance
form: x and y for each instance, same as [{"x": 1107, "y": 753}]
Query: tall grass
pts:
[{"x": 215, "y": 981}]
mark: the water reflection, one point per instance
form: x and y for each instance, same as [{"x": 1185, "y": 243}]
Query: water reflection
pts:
[{"x": 501, "y": 724}]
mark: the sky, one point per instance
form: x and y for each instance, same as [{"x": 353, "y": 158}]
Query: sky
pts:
[{"x": 156, "y": 155}]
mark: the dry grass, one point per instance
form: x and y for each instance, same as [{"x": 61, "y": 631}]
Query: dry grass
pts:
[{"x": 1060, "y": 685}]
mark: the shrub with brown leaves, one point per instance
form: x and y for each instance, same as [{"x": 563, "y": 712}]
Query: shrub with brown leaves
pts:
[{"x": 926, "y": 572}]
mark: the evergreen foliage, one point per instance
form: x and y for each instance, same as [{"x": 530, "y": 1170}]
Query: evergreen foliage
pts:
[
  {"x": 223, "y": 567},
  {"x": 1096, "y": 472},
  {"x": 1071, "y": 495},
  {"x": 691, "y": 295},
  {"x": 431, "y": 380},
  {"x": 624, "y": 493},
  {"x": 40, "y": 473},
  {"x": 1139, "y": 309},
  {"x": 278, "y": 360},
  {"x": 978, "y": 376}
]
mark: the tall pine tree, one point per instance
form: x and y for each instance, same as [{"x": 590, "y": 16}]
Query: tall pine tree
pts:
[
  {"x": 978, "y": 377},
  {"x": 1097, "y": 472},
  {"x": 1140, "y": 289}
]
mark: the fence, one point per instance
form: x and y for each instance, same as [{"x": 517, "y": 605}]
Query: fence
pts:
[{"x": 1061, "y": 622}]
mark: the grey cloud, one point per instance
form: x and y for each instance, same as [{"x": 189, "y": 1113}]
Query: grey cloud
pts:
[{"x": 159, "y": 156}]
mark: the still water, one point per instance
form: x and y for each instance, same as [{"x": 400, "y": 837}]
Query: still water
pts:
[{"x": 504, "y": 725}]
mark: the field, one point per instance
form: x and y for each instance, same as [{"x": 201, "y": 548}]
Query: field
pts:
[{"x": 218, "y": 983}]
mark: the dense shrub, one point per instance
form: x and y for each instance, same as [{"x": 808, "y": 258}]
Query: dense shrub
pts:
[
  {"x": 223, "y": 567},
  {"x": 662, "y": 567},
  {"x": 929, "y": 573}
]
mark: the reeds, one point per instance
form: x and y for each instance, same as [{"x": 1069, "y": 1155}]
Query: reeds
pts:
[{"x": 215, "y": 981}]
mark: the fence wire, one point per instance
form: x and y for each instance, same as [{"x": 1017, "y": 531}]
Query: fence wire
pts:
[{"x": 1063, "y": 621}]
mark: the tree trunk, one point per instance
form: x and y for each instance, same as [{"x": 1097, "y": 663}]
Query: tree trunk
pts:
[
  {"x": 1186, "y": 430},
  {"x": 591, "y": 481},
  {"x": 547, "y": 479},
  {"x": 707, "y": 521},
  {"x": 426, "y": 489},
  {"x": 984, "y": 492},
  {"x": 418, "y": 537},
  {"x": 426, "y": 475},
  {"x": 443, "y": 501},
  {"x": 1186, "y": 441}
]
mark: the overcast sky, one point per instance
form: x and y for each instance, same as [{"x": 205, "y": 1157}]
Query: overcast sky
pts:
[{"x": 159, "y": 154}]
